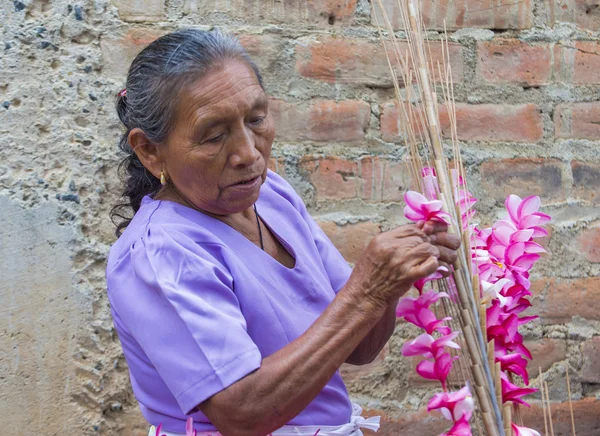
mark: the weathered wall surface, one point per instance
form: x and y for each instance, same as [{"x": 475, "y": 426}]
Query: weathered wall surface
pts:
[{"x": 527, "y": 80}]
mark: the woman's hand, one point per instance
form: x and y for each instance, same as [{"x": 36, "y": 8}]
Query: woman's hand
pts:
[
  {"x": 446, "y": 243},
  {"x": 393, "y": 261}
]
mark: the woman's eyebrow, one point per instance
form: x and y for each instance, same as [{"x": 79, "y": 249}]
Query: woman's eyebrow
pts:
[{"x": 260, "y": 102}]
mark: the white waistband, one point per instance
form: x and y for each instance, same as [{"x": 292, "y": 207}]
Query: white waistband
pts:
[{"x": 351, "y": 429}]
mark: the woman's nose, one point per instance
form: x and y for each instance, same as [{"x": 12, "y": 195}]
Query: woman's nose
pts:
[{"x": 244, "y": 151}]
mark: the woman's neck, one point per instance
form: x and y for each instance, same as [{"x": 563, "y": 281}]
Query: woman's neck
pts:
[{"x": 240, "y": 221}]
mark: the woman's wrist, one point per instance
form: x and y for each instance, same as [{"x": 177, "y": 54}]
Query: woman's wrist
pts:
[{"x": 361, "y": 301}]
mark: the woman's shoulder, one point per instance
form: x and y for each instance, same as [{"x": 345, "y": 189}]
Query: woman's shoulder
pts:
[
  {"x": 162, "y": 228},
  {"x": 277, "y": 189}
]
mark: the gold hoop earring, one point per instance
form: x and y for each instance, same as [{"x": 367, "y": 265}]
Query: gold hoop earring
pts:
[{"x": 163, "y": 179}]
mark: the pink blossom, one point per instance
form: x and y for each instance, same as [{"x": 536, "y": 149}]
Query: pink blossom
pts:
[
  {"x": 453, "y": 405},
  {"x": 189, "y": 427},
  {"x": 437, "y": 369},
  {"x": 460, "y": 428},
  {"x": 425, "y": 345},
  {"x": 492, "y": 291},
  {"x": 417, "y": 312},
  {"x": 524, "y": 431},
  {"x": 418, "y": 208},
  {"x": 516, "y": 364},
  {"x": 524, "y": 214},
  {"x": 420, "y": 284},
  {"x": 430, "y": 183},
  {"x": 502, "y": 327},
  {"x": 512, "y": 392}
]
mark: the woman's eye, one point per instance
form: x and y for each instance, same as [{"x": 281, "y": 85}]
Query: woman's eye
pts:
[{"x": 216, "y": 138}]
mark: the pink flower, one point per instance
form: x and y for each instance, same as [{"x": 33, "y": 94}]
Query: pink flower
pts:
[
  {"x": 524, "y": 431},
  {"x": 492, "y": 291},
  {"x": 425, "y": 345},
  {"x": 453, "y": 405},
  {"x": 437, "y": 369},
  {"x": 430, "y": 183},
  {"x": 418, "y": 208},
  {"x": 189, "y": 427},
  {"x": 516, "y": 364},
  {"x": 420, "y": 284},
  {"x": 460, "y": 428},
  {"x": 502, "y": 327},
  {"x": 417, "y": 312},
  {"x": 512, "y": 392},
  {"x": 524, "y": 214}
]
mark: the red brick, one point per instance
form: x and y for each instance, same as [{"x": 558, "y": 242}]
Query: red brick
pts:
[
  {"x": 585, "y": 412},
  {"x": 586, "y": 181},
  {"x": 139, "y": 11},
  {"x": 332, "y": 177},
  {"x": 512, "y": 61},
  {"x": 321, "y": 120},
  {"x": 483, "y": 122},
  {"x": 486, "y": 14},
  {"x": 360, "y": 62},
  {"x": 488, "y": 122},
  {"x": 584, "y": 13},
  {"x": 589, "y": 244},
  {"x": 264, "y": 50},
  {"x": 277, "y": 165},
  {"x": 523, "y": 177},
  {"x": 586, "y": 68},
  {"x": 312, "y": 13},
  {"x": 577, "y": 120},
  {"x": 350, "y": 239},
  {"x": 118, "y": 51},
  {"x": 590, "y": 371},
  {"x": 369, "y": 178},
  {"x": 558, "y": 300},
  {"x": 383, "y": 179},
  {"x": 545, "y": 352}
]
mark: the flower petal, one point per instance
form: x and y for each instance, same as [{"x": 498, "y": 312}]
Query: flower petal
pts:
[
  {"x": 418, "y": 346},
  {"x": 413, "y": 215},
  {"x": 528, "y": 206},
  {"x": 512, "y": 206},
  {"x": 414, "y": 200},
  {"x": 524, "y": 431}
]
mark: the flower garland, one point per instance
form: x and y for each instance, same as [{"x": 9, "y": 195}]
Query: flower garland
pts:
[{"x": 502, "y": 257}]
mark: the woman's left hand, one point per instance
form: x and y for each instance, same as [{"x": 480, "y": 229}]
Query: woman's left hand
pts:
[{"x": 444, "y": 241}]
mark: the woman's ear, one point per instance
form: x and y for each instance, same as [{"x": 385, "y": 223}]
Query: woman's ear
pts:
[{"x": 147, "y": 151}]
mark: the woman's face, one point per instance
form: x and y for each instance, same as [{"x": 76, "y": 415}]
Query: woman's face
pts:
[{"x": 219, "y": 146}]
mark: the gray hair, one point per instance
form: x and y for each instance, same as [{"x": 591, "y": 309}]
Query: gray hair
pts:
[{"x": 156, "y": 77}]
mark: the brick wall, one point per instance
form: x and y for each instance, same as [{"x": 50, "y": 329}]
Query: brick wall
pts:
[{"x": 527, "y": 84}]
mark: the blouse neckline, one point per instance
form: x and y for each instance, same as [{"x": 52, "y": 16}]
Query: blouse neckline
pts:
[{"x": 235, "y": 237}]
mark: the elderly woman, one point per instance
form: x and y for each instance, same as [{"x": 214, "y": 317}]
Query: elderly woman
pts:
[{"x": 231, "y": 304}]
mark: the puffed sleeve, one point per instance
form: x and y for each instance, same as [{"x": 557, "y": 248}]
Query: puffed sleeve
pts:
[{"x": 176, "y": 299}]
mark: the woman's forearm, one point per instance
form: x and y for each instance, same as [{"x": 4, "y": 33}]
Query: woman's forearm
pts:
[
  {"x": 291, "y": 378},
  {"x": 372, "y": 344}
]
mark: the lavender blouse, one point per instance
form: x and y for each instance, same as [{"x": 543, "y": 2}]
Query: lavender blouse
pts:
[{"x": 197, "y": 305}]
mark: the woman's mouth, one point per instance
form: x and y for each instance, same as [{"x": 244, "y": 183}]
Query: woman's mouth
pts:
[{"x": 248, "y": 182}]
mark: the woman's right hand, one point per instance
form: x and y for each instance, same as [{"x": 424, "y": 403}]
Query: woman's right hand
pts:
[{"x": 392, "y": 262}]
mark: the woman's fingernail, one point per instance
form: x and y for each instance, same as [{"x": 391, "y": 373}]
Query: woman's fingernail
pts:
[{"x": 432, "y": 237}]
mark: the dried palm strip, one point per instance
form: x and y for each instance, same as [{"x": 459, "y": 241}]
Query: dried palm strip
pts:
[
  {"x": 424, "y": 121},
  {"x": 570, "y": 400},
  {"x": 543, "y": 401}
]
